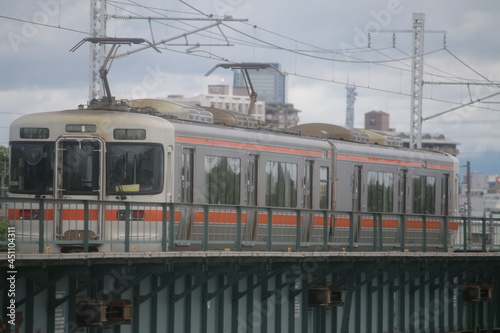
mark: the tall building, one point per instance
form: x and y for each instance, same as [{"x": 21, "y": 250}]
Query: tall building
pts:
[{"x": 269, "y": 84}]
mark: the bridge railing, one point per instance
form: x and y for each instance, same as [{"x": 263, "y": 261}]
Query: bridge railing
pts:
[{"x": 52, "y": 226}]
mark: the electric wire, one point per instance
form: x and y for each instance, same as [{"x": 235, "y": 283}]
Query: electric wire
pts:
[
  {"x": 300, "y": 52},
  {"x": 44, "y": 25},
  {"x": 216, "y": 57},
  {"x": 131, "y": 3}
]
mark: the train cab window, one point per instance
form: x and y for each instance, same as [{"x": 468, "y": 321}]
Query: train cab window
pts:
[
  {"x": 380, "y": 191},
  {"x": 323, "y": 188},
  {"x": 134, "y": 169},
  {"x": 424, "y": 194},
  {"x": 80, "y": 167},
  {"x": 281, "y": 184},
  {"x": 32, "y": 166},
  {"x": 223, "y": 176}
]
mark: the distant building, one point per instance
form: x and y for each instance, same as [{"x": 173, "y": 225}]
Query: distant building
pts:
[
  {"x": 493, "y": 183},
  {"x": 379, "y": 121},
  {"x": 484, "y": 196},
  {"x": 269, "y": 84},
  {"x": 477, "y": 191},
  {"x": 491, "y": 204},
  {"x": 218, "y": 99},
  {"x": 281, "y": 115},
  {"x": 274, "y": 114},
  {"x": 218, "y": 89},
  {"x": 435, "y": 142}
]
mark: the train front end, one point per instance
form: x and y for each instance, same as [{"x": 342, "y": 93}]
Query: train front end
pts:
[{"x": 106, "y": 175}]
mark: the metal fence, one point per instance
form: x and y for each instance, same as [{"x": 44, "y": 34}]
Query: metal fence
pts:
[{"x": 52, "y": 226}]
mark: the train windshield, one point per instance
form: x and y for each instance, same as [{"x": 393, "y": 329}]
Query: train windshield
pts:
[
  {"x": 80, "y": 166},
  {"x": 134, "y": 169},
  {"x": 32, "y": 166}
]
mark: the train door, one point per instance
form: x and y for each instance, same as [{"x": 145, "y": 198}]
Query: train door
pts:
[
  {"x": 356, "y": 189},
  {"x": 445, "y": 194},
  {"x": 356, "y": 199},
  {"x": 251, "y": 194},
  {"x": 402, "y": 200},
  {"x": 307, "y": 198},
  {"x": 78, "y": 176},
  {"x": 187, "y": 212}
]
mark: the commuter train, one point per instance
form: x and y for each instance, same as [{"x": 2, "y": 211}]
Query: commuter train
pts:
[{"x": 156, "y": 152}]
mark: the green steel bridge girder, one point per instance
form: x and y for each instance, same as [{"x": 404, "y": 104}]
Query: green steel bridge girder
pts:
[{"x": 386, "y": 287}]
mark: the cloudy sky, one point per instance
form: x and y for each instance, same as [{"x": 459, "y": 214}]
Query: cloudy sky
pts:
[{"x": 320, "y": 44}]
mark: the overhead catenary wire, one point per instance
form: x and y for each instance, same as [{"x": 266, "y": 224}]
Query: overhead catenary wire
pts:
[
  {"x": 449, "y": 76},
  {"x": 274, "y": 46},
  {"x": 133, "y": 3},
  {"x": 45, "y": 25},
  {"x": 268, "y": 44},
  {"x": 253, "y": 41},
  {"x": 214, "y": 57}
]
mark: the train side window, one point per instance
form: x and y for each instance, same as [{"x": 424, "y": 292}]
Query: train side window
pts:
[
  {"x": 356, "y": 188},
  {"x": 323, "y": 187},
  {"x": 223, "y": 175},
  {"x": 424, "y": 194},
  {"x": 380, "y": 191},
  {"x": 281, "y": 184}
]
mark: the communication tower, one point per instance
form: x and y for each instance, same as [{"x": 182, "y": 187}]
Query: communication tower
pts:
[
  {"x": 351, "y": 98},
  {"x": 97, "y": 50}
]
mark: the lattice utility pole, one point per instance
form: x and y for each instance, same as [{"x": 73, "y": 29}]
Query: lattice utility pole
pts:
[
  {"x": 98, "y": 17},
  {"x": 351, "y": 98},
  {"x": 97, "y": 51},
  {"x": 417, "y": 73}
]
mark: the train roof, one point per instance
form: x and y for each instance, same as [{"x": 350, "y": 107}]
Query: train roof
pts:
[
  {"x": 103, "y": 120},
  {"x": 293, "y": 140},
  {"x": 330, "y": 131},
  {"x": 172, "y": 109},
  {"x": 207, "y": 122}
]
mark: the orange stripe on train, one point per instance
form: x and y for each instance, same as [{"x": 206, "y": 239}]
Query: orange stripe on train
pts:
[{"x": 111, "y": 215}]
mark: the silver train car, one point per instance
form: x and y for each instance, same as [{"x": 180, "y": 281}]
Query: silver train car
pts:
[{"x": 155, "y": 152}]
